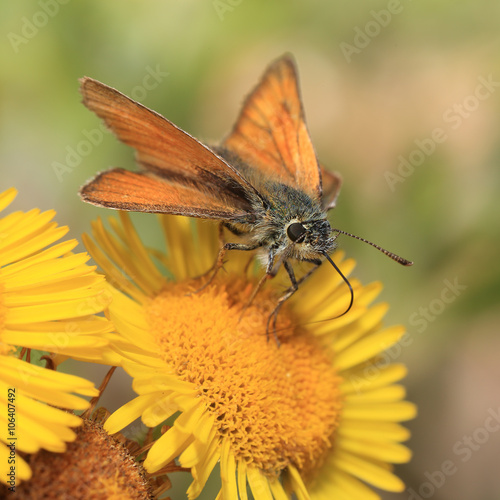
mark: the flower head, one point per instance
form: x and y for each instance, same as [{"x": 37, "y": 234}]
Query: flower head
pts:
[
  {"x": 48, "y": 297},
  {"x": 94, "y": 466},
  {"x": 301, "y": 417}
]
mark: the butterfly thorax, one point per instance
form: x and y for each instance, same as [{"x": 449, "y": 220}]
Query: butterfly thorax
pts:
[{"x": 279, "y": 207}]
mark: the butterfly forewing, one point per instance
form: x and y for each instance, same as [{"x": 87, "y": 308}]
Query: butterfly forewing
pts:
[
  {"x": 165, "y": 150},
  {"x": 144, "y": 192},
  {"x": 271, "y": 135}
]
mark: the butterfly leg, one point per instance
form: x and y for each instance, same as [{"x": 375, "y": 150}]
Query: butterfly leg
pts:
[
  {"x": 214, "y": 265},
  {"x": 220, "y": 259},
  {"x": 270, "y": 273},
  {"x": 295, "y": 286}
]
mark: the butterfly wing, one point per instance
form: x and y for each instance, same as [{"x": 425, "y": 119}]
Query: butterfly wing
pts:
[
  {"x": 271, "y": 134},
  {"x": 168, "y": 154},
  {"x": 145, "y": 192},
  {"x": 331, "y": 183}
]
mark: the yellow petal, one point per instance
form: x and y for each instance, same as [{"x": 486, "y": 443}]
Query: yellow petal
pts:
[
  {"x": 22, "y": 472},
  {"x": 375, "y": 450},
  {"x": 7, "y": 197},
  {"x": 166, "y": 448},
  {"x": 340, "y": 485},
  {"x": 369, "y": 471},
  {"x": 202, "y": 471},
  {"x": 259, "y": 484},
  {"x": 299, "y": 486},
  {"x": 381, "y": 395},
  {"x": 371, "y": 376},
  {"x": 129, "y": 412},
  {"x": 276, "y": 489},
  {"x": 242, "y": 480},
  {"x": 373, "y": 431},
  {"x": 16, "y": 251},
  {"x": 389, "y": 412},
  {"x": 53, "y": 252},
  {"x": 228, "y": 471},
  {"x": 368, "y": 347}
]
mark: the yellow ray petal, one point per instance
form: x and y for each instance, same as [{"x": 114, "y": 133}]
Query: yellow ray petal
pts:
[
  {"x": 166, "y": 448},
  {"x": 159, "y": 411},
  {"x": 389, "y": 412},
  {"x": 48, "y": 254},
  {"x": 29, "y": 226},
  {"x": 17, "y": 251},
  {"x": 53, "y": 311},
  {"x": 25, "y": 371},
  {"x": 298, "y": 485},
  {"x": 375, "y": 450},
  {"x": 202, "y": 471},
  {"x": 131, "y": 238},
  {"x": 242, "y": 480},
  {"x": 54, "y": 271},
  {"x": 339, "y": 485},
  {"x": 23, "y": 472},
  {"x": 277, "y": 490},
  {"x": 228, "y": 471},
  {"x": 259, "y": 484},
  {"x": 368, "y": 347},
  {"x": 50, "y": 342},
  {"x": 116, "y": 277},
  {"x": 369, "y": 471},
  {"x": 7, "y": 197},
  {"x": 371, "y": 376},
  {"x": 381, "y": 395},
  {"x": 129, "y": 412},
  {"x": 373, "y": 431},
  {"x": 367, "y": 321}
]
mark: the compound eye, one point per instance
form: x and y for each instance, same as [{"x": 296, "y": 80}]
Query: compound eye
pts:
[{"x": 295, "y": 231}]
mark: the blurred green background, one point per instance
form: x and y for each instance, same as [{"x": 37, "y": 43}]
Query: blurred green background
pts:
[{"x": 401, "y": 97}]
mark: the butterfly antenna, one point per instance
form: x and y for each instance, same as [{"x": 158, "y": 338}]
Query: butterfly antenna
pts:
[
  {"x": 346, "y": 282},
  {"x": 393, "y": 256}
]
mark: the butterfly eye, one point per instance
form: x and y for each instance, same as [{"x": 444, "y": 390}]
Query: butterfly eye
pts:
[{"x": 295, "y": 231}]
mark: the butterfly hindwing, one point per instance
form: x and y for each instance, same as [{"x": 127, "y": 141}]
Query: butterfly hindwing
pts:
[{"x": 331, "y": 184}]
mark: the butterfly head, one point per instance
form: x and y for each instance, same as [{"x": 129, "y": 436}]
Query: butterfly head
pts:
[{"x": 310, "y": 239}]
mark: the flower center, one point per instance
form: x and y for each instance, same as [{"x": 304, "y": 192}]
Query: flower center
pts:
[{"x": 278, "y": 405}]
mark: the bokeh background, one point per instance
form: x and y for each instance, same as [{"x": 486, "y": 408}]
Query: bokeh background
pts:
[{"x": 402, "y": 97}]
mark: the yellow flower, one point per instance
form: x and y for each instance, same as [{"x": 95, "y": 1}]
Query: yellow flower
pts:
[
  {"x": 95, "y": 466},
  {"x": 47, "y": 298},
  {"x": 317, "y": 416}
]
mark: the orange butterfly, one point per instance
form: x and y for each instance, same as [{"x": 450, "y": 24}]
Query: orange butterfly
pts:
[{"x": 263, "y": 182}]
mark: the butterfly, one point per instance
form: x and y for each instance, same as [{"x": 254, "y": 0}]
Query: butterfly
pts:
[{"x": 263, "y": 182}]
